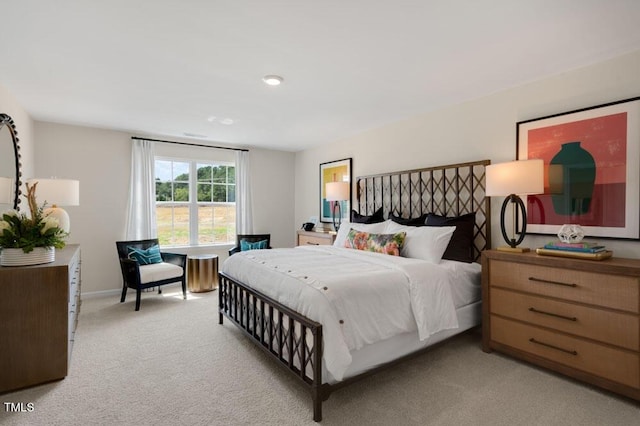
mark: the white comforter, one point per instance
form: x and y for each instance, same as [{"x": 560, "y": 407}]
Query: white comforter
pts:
[{"x": 359, "y": 297}]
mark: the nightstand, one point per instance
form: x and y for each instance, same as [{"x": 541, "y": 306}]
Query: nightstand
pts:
[
  {"x": 577, "y": 317},
  {"x": 315, "y": 238}
]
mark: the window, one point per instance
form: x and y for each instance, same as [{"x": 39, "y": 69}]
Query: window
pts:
[{"x": 195, "y": 202}]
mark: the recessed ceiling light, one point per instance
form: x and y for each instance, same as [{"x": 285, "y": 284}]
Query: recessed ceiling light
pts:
[
  {"x": 272, "y": 80},
  {"x": 227, "y": 121},
  {"x": 195, "y": 135}
]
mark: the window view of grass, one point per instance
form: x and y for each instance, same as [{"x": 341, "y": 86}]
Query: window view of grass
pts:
[
  {"x": 214, "y": 201},
  {"x": 216, "y": 224},
  {"x": 173, "y": 225}
]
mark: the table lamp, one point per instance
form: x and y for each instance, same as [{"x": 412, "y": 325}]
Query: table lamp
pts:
[
  {"x": 337, "y": 192},
  {"x": 507, "y": 180},
  {"x": 55, "y": 192}
]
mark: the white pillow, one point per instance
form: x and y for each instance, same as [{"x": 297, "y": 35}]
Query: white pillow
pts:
[
  {"x": 423, "y": 242},
  {"x": 345, "y": 227}
]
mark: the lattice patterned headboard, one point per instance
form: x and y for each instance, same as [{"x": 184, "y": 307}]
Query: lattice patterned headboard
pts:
[{"x": 451, "y": 190}]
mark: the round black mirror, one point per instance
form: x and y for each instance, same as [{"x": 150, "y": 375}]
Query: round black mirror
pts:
[{"x": 7, "y": 122}]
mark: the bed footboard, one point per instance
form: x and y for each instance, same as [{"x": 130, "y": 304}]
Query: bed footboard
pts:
[{"x": 292, "y": 339}]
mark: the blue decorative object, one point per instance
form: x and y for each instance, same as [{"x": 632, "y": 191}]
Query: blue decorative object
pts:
[
  {"x": 145, "y": 257},
  {"x": 247, "y": 245}
]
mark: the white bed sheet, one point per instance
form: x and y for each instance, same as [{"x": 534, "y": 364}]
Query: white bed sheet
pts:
[
  {"x": 466, "y": 286},
  {"x": 372, "y": 356},
  {"x": 320, "y": 283}
]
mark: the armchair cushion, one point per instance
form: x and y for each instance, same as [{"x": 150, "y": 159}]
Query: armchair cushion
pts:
[
  {"x": 159, "y": 271},
  {"x": 147, "y": 256}
]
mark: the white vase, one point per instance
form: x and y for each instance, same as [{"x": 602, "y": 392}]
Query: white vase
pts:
[{"x": 17, "y": 257}]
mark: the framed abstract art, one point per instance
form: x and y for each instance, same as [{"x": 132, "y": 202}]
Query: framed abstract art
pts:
[
  {"x": 591, "y": 168},
  {"x": 334, "y": 171}
]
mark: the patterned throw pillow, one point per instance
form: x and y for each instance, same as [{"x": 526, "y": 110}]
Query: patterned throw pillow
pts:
[
  {"x": 379, "y": 243},
  {"x": 248, "y": 245},
  {"x": 145, "y": 257}
]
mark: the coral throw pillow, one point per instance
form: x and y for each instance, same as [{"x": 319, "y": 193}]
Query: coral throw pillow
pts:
[{"x": 379, "y": 243}]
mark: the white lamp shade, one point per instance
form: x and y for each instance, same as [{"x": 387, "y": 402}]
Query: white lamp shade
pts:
[
  {"x": 515, "y": 177},
  {"x": 6, "y": 190},
  {"x": 57, "y": 192},
  {"x": 337, "y": 191}
]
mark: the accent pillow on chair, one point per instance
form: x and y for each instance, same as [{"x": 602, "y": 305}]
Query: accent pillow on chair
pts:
[
  {"x": 145, "y": 257},
  {"x": 246, "y": 242},
  {"x": 257, "y": 245}
]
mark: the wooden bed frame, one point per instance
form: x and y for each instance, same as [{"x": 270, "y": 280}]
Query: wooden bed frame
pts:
[{"x": 296, "y": 341}]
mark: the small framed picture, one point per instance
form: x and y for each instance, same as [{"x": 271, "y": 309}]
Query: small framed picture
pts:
[{"x": 331, "y": 172}]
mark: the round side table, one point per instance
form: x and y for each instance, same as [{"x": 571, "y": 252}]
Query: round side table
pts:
[{"x": 202, "y": 272}]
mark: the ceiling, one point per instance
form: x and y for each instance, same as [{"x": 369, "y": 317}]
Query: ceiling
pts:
[{"x": 166, "y": 68}]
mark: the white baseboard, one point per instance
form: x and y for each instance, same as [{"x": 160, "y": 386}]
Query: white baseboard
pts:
[
  {"x": 92, "y": 294},
  {"x": 118, "y": 291}
]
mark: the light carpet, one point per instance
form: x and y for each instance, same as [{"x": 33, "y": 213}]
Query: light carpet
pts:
[{"x": 172, "y": 364}]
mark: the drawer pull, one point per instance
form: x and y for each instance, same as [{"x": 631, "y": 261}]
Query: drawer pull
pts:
[
  {"x": 537, "y": 311},
  {"x": 532, "y": 340},
  {"x": 552, "y": 282},
  {"x": 312, "y": 244}
]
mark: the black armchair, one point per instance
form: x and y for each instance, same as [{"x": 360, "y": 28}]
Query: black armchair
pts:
[
  {"x": 250, "y": 238},
  {"x": 138, "y": 277}
]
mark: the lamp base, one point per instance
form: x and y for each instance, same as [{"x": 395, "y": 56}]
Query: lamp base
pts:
[
  {"x": 337, "y": 219},
  {"x": 60, "y": 214},
  {"x": 513, "y": 249}
]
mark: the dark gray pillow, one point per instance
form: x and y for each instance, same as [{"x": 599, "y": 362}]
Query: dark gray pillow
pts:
[
  {"x": 374, "y": 218},
  {"x": 460, "y": 246},
  {"x": 415, "y": 221}
]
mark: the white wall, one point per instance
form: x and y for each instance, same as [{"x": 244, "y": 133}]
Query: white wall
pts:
[
  {"x": 101, "y": 160},
  {"x": 272, "y": 190},
  {"x": 479, "y": 129}
]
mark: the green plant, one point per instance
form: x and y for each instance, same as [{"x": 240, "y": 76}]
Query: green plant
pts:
[{"x": 17, "y": 230}]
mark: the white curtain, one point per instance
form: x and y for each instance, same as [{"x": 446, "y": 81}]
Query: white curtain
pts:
[
  {"x": 141, "y": 211},
  {"x": 244, "y": 212}
]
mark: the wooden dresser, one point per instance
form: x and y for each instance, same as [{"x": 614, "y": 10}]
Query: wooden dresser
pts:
[
  {"x": 39, "y": 308},
  {"x": 576, "y": 317},
  {"x": 315, "y": 238}
]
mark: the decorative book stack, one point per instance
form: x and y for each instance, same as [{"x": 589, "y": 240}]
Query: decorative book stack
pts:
[{"x": 582, "y": 250}]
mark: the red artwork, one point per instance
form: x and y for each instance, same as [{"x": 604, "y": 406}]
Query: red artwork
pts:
[{"x": 602, "y": 199}]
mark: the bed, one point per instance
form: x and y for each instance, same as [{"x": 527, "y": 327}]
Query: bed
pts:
[{"x": 310, "y": 309}]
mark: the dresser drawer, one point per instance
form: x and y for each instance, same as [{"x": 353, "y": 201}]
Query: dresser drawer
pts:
[
  {"x": 616, "y": 328},
  {"x": 313, "y": 240},
  {"x": 612, "y": 291},
  {"x": 616, "y": 365}
]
